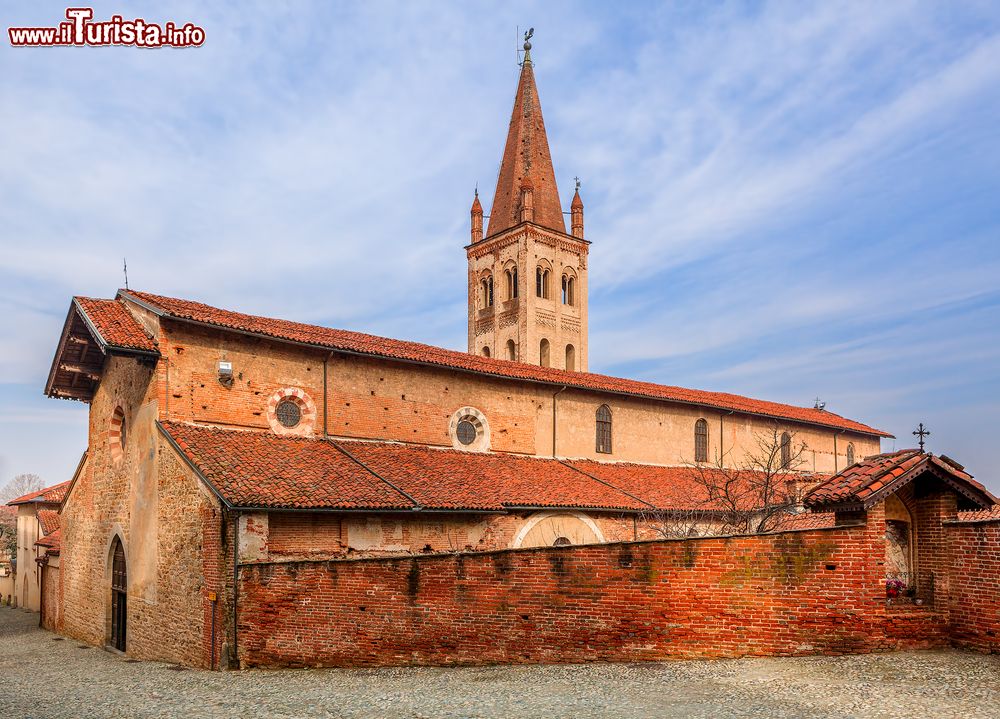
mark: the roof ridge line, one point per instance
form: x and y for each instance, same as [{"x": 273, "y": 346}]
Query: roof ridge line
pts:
[
  {"x": 416, "y": 504},
  {"x": 456, "y": 360},
  {"x": 606, "y": 483}
]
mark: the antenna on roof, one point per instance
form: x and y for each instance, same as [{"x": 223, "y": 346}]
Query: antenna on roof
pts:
[
  {"x": 125, "y": 270},
  {"x": 820, "y": 404}
]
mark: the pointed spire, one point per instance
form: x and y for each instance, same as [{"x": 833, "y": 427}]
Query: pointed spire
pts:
[
  {"x": 526, "y": 158},
  {"x": 576, "y": 212},
  {"x": 477, "y": 219}
]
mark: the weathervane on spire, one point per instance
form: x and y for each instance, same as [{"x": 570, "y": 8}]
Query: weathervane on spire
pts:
[
  {"x": 921, "y": 433},
  {"x": 527, "y": 44},
  {"x": 577, "y": 181}
]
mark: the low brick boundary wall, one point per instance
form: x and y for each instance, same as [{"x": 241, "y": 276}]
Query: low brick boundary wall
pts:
[
  {"x": 804, "y": 592},
  {"x": 975, "y": 584}
]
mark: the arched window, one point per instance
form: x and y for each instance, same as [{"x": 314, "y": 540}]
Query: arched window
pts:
[
  {"x": 511, "y": 275},
  {"x": 486, "y": 290},
  {"x": 543, "y": 353},
  {"x": 511, "y": 350},
  {"x": 850, "y": 454},
  {"x": 567, "y": 290},
  {"x": 541, "y": 282},
  {"x": 604, "y": 429},
  {"x": 786, "y": 450},
  {"x": 570, "y": 357},
  {"x": 486, "y": 351},
  {"x": 701, "y": 441},
  {"x": 119, "y": 596}
]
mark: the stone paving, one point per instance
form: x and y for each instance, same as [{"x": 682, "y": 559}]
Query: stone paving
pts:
[{"x": 42, "y": 676}]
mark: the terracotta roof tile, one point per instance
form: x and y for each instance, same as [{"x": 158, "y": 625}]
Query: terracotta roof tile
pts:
[
  {"x": 980, "y": 515},
  {"x": 807, "y": 520},
  {"x": 49, "y": 519},
  {"x": 860, "y": 482},
  {"x": 358, "y": 342},
  {"x": 115, "y": 324},
  {"x": 446, "y": 478},
  {"x": 259, "y": 469},
  {"x": 49, "y": 495},
  {"x": 52, "y": 542}
]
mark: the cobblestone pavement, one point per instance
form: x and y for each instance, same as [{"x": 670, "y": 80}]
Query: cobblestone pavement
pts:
[{"x": 42, "y": 676}]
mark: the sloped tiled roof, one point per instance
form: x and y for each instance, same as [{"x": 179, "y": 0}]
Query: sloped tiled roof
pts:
[
  {"x": 115, "y": 324},
  {"x": 259, "y": 469},
  {"x": 51, "y": 542},
  {"x": 49, "y": 519},
  {"x": 49, "y": 495},
  {"x": 991, "y": 514},
  {"x": 864, "y": 483},
  {"x": 446, "y": 478},
  {"x": 807, "y": 520},
  {"x": 358, "y": 342}
]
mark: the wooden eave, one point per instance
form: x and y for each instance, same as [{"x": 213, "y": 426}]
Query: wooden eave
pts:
[{"x": 80, "y": 357}]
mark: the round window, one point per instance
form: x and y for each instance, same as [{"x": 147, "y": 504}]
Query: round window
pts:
[
  {"x": 561, "y": 542},
  {"x": 466, "y": 432},
  {"x": 289, "y": 413}
]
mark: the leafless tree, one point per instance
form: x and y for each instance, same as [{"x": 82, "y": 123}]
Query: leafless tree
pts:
[
  {"x": 21, "y": 484},
  {"x": 750, "y": 495}
]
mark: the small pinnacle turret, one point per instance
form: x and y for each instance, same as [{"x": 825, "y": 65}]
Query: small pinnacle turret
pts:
[
  {"x": 576, "y": 212},
  {"x": 477, "y": 219}
]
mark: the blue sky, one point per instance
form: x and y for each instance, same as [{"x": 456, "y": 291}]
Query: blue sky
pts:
[{"x": 785, "y": 200}]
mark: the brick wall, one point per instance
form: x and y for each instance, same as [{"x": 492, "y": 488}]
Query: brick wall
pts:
[
  {"x": 975, "y": 584},
  {"x": 793, "y": 593},
  {"x": 169, "y": 524},
  {"x": 374, "y": 398},
  {"x": 51, "y": 607}
]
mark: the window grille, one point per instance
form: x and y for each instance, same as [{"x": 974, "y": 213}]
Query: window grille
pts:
[
  {"x": 289, "y": 413},
  {"x": 604, "y": 429},
  {"x": 701, "y": 441}
]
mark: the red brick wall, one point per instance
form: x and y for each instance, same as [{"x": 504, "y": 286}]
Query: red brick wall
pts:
[
  {"x": 975, "y": 585},
  {"x": 51, "y": 604},
  {"x": 795, "y": 593}
]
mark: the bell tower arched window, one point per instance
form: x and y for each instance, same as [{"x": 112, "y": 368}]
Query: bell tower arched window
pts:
[
  {"x": 567, "y": 290},
  {"x": 541, "y": 282},
  {"x": 511, "y": 275},
  {"x": 604, "y": 429},
  {"x": 486, "y": 292},
  {"x": 570, "y": 357},
  {"x": 701, "y": 441},
  {"x": 511, "y": 350},
  {"x": 543, "y": 353}
]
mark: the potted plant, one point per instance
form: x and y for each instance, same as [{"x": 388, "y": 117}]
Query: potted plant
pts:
[{"x": 894, "y": 587}]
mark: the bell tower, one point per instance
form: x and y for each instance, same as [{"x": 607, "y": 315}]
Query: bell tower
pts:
[{"x": 527, "y": 276}]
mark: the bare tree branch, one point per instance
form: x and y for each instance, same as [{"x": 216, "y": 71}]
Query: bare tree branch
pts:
[{"x": 747, "y": 496}]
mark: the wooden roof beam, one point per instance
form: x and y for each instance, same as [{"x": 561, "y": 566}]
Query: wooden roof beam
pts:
[{"x": 89, "y": 371}]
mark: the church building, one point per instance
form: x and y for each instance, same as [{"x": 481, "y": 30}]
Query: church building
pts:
[{"x": 224, "y": 446}]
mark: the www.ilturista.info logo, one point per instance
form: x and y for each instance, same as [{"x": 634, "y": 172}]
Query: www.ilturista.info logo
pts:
[{"x": 81, "y": 30}]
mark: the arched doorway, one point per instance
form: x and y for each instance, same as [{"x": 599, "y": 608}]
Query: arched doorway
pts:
[
  {"x": 119, "y": 596},
  {"x": 899, "y": 543}
]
